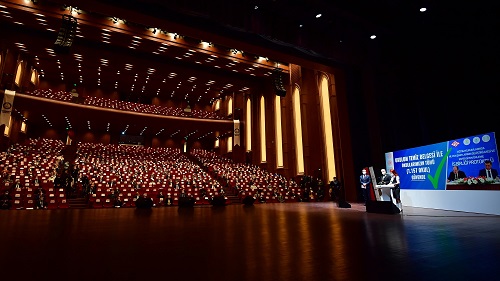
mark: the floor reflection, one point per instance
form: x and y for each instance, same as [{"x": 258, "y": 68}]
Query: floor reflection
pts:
[{"x": 302, "y": 241}]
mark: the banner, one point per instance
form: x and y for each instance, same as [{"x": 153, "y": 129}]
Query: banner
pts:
[
  {"x": 427, "y": 167},
  {"x": 7, "y": 105},
  {"x": 236, "y": 132}
]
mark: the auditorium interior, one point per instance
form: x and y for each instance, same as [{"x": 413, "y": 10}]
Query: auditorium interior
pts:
[{"x": 248, "y": 100}]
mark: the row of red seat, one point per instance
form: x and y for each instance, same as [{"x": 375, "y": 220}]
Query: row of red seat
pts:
[
  {"x": 127, "y": 106},
  {"x": 147, "y": 167}
]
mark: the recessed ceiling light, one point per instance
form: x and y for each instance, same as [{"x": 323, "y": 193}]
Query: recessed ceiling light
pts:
[
  {"x": 423, "y": 9},
  {"x": 318, "y": 16},
  {"x": 373, "y": 36}
]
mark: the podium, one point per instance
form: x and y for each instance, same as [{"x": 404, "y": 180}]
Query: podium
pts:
[
  {"x": 383, "y": 192},
  {"x": 385, "y": 203}
]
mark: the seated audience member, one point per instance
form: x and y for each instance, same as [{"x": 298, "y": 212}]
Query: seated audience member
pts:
[
  {"x": 262, "y": 199},
  {"x": 17, "y": 184},
  {"x": 456, "y": 174},
  {"x": 320, "y": 194},
  {"x": 40, "y": 200},
  {"x": 5, "y": 200},
  {"x": 169, "y": 201},
  {"x": 280, "y": 198},
  {"x": 118, "y": 202},
  {"x": 144, "y": 202}
]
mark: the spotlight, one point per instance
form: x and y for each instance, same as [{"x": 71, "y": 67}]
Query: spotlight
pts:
[
  {"x": 373, "y": 36},
  {"x": 423, "y": 9},
  {"x": 154, "y": 31}
]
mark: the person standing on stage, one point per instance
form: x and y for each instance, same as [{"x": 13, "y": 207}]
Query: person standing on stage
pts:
[
  {"x": 385, "y": 178},
  {"x": 365, "y": 180},
  {"x": 396, "y": 191}
]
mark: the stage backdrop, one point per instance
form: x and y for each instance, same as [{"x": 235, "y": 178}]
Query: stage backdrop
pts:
[{"x": 424, "y": 171}]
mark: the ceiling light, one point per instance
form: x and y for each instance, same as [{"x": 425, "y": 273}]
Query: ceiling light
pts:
[
  {"x": 423, "y": 9},
  {"x": 373, "y": 36},
  {"x": 318, "y": 16}
]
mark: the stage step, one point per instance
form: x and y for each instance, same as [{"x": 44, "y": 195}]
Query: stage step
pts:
[
  {"x": 77, "y": 203},
  {"x": 233, "y": 199}
]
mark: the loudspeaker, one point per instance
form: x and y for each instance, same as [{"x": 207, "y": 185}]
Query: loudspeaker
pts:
[
  {"x": 382, "y": 207},
  {"x": 279, "y": 88},
  {"x": 66, "y": 34},
  {"x": 248, "y": 200},
  {"x": 343, "y": 204},
  {"x": 218, "y": 201},
  {"x": 186, "y": 202}
]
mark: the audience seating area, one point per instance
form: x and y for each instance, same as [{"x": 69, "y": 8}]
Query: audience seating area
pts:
[
  {"x": 49, "y": 94},
  {"x": 240, "y": 176},
  {"x": 128, "y": 106},
  {"x": 128, "y": 172},
  {"x": 136, "y": 170},
  {"x": 27, "y": 168}
]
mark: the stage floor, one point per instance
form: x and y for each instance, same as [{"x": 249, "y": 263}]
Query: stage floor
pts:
[{"x": 295, "y": 241}]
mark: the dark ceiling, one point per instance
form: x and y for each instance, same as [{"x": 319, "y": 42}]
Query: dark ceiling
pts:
[
  {"x": 126, "y": 57},
  {"x": 450, "y": 48}
]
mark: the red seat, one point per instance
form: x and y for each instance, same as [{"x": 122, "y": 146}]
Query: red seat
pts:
[
  {"x": 107, "y": 204},
  {"x": 97, "y": 203},
  {"x": 30, "y": 204},
  {"x": 52, "y": 204},
  {"x": 16, "y": 204},
  {"x": 63, "y": 204}
]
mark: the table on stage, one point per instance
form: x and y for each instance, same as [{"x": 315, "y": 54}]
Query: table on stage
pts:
[{"x": 465, "y": 186}]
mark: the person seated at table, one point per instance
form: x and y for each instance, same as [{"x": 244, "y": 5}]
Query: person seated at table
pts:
[
  {"x": 488, "y": 172},
  {"x": 456, "y": 174}
]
